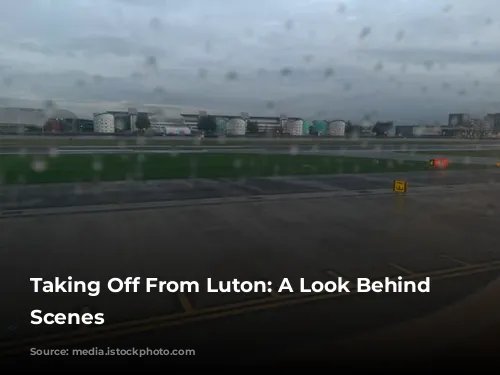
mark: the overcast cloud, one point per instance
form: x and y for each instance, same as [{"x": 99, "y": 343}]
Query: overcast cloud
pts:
[{"x": 413, "y": 60}]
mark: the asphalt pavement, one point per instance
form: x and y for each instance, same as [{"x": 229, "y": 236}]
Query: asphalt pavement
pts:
[
  {"x": 450, "y": 238},
  {"x": 24, "y": 197}
]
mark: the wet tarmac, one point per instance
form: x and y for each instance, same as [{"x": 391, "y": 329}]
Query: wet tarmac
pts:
[
  {"x": 450, "y": 238},
  {"x": 126, "y": 192}
]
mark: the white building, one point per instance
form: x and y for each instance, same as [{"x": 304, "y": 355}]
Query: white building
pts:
[
  {"x": 104, "y": 123},
  {"x": 236, "y": 126},
  {"x": 295, "y": 127},
  {"x": 336, "y": 128}
]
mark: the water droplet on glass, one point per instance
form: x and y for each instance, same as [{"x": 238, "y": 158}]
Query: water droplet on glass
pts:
[
  {"x": 97, "y": 165},
  {"x": 232, "y": 76},
  {"x": 237, "y": 163},
  {"x": 378, "y": 66},
  {"x": 77, "y": 189},
  {"x": 39, "y": 165},
  {"x": 400, "y": 35},
  {"x": 329, "y": 72},
  {"x": 365, "y": 31},
  {"x": 447, "y": 8},
  {"x": 173, "y": 152},
  {"x": 53, "y": 152},
  {"x": 285, "y": 72},
  {"x": 151, "y": 63}
]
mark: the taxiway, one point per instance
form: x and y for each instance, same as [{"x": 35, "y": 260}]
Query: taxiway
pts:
[{"x": 448, "y": 237}]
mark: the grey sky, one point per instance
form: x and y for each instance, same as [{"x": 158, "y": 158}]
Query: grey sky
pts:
[{"x": 405, "y": 60}]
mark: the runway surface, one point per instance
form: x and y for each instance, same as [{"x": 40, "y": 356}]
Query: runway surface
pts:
[
  {"x": 450, "y": 238},
  {"x": 24, "y": 197}
]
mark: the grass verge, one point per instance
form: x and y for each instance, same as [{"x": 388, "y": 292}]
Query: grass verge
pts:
[{"x": 38, "y": 169}]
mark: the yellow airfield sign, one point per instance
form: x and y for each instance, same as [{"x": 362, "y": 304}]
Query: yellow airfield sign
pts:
[{"x": 400, "y": 186}]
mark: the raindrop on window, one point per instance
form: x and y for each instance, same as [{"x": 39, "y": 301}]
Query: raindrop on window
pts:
[
  {"x": 39, "y": 165},
  {"x": 378, "y": 66},
  {"x": 159, "y": 90},
  {"x": 400, "y": 35},
  {"x": 97, "y": 165},
  {"x": 53, "y": 152},
  {"x": 49, "y": 104},
  {"x": 329, "y": 72},
  {"x": 97, "y": 78},
  {"x": 80, "y": 83},
  {"x": 428, "y": 64},
  {"x": 285, "y": 71},
  {"x": 447, "y": 8},
  {"x": 151, "y": 63},
  {"x": 208, "y": 46},
  {"x": 202, "y": 73},
  {"x": 232, "y": 76},
  {"x": 237, "y": 163},
  {"x": 155, "y": 24},
  {"x": 365, "y": 31}
]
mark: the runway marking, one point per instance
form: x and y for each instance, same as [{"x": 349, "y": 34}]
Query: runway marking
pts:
[
  {"x": 186, "y": 183},
  {"x": 335, "y": 274},
  {"x": 310, "y": 183},
  {"x": 458, "y": 261},
  {"x": 185, "y": 302},
  {"x": 273, "y": 292},
  {"x": 147, "y": 324},
  {"x": 244, "y": 186},
  {"x": 402, "y": 269}
]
